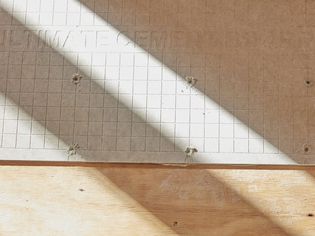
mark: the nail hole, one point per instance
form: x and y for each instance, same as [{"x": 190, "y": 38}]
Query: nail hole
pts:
[
  {"x": 81, "y": 189},
  {"x": 310, "y": 215}
]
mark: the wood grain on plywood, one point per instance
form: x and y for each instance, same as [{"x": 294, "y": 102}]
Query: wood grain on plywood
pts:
[{"x": 155, "y": 201}]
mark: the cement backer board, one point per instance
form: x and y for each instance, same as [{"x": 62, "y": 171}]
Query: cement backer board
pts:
[{"x": 234, "y": 80}]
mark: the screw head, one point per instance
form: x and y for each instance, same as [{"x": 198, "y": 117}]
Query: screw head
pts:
[
  {"x": 306, "y": 148},
  {"x": 191, "y": 80},
  {"x": 308, "y": 83},
  {"x": 187, "y": 150},
  {"x": 76, "y": 78}
]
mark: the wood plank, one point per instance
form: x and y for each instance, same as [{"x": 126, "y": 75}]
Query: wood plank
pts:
[{"x": 122, "y": 200}]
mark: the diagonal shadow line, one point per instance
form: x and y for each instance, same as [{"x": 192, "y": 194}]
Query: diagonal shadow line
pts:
[
  {"x": 200, "y": 211},
  {"x": 288, "y": 126},
  {"x": 239, "y": 66},
  {"x": 192, "y": 202}
]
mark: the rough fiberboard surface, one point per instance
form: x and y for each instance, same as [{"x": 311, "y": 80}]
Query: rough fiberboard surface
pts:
[{"x": 158, "y": 81}]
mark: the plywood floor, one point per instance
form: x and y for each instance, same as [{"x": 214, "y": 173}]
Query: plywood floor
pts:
[{"x": 147, "y": 200}]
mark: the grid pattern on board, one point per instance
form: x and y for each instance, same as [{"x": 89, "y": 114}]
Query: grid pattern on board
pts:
[{"x": 250, "y": 94}]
